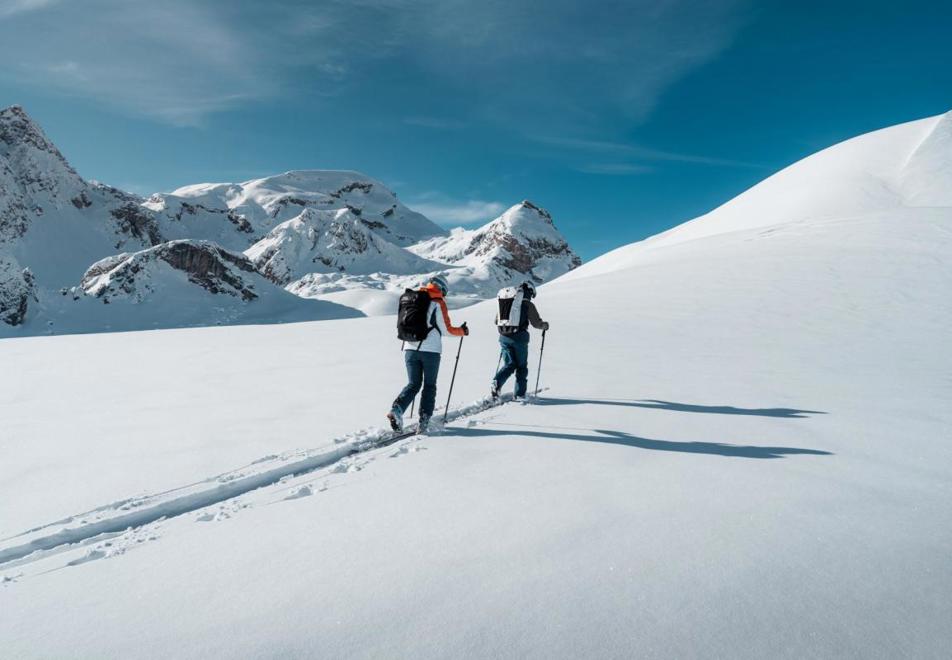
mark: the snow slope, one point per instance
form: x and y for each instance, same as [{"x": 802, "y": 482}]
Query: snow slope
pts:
[
  {"x": 903, "y": 166},
  {"x": 742, "y": 452},
  {"x": 900, "y": 167}
]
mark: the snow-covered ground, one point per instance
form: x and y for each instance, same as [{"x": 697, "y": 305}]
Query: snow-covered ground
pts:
[{"x": 742, "y": 451}]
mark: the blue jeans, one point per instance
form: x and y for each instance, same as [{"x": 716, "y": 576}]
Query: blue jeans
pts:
[
  {"x": 515, "y": 358},
  {"x": 422, "y": 368}
]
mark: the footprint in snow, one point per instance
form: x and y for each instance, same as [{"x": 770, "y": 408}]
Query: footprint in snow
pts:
[
  {"x": 302, "y": 491},
  {"x": 91, "y": 555},
  {"x": 350, "y": 466},
  {"x": 117, "y": 546},
  {"x": 224, "y": 512},
  {"x": 407, "y": 449}
]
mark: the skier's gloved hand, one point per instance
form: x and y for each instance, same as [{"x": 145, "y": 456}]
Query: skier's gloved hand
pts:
[
  {"x": 465, "y": 329},
  {"x": 545, "y": 326}
]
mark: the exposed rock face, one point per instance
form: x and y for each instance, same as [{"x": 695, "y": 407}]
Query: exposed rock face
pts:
[
  {"x": 137, "y": 222},
  {"x": 16, "y": 292},
  {"x": 204, "y": 264}
]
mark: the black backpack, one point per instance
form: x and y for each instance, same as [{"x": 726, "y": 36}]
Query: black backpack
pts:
[{"x": 412, "y": 321}]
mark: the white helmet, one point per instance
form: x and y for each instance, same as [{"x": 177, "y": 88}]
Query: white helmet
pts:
[{"x": 440, "y": 282}]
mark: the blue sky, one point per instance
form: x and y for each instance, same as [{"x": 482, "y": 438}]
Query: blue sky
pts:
[{"x": 621, "y": 118}]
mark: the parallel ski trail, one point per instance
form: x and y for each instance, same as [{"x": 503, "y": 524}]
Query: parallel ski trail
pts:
[{"x": 136, "y": 512}]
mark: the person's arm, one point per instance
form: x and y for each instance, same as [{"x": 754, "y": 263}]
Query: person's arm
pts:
[
  {"x": 535, "y": 319},
  {"x": 446, "y": 324}
]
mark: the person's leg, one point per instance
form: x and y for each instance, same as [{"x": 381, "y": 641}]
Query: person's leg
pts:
[
  {"x": 414, "y": 380},
  {"x": 521, "y": 356},
  {"x": 508, "y": 362},
  {"x": 430, "y": 366}
]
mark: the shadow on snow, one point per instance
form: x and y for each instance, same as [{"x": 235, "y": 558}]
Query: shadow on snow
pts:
[
  {"x": 682, "y": 407},
  {"x": 628, "y": 440}
]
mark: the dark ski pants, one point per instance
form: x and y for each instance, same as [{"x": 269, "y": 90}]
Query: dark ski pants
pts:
[
  {"x": 515, "y": 358},
  {"x": 422, "y": 368}
]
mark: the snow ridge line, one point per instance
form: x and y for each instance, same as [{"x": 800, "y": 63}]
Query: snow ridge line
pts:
[{"x": 221, "y": 492}]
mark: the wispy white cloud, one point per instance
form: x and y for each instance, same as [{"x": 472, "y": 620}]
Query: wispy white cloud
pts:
[
  {"x": 615, "y": 169},
  {"x": 622, "y": 149},
  {"x": 451, "y": 212},
  {"x": 175, "y": 61},
  {"x": 11, "y": 7},
  {"x": 439, "y": 123},
  {"x": 515, "y": 63}
]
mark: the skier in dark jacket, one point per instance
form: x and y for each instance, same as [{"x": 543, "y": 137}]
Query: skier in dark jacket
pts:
[{"x": 514, "y": 342}]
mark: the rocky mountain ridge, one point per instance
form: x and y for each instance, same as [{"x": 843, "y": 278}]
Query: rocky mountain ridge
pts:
[{"x": 66, "y": 241}]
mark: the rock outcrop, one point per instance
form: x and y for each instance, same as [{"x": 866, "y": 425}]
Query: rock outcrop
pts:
[{"x": 204, "y": 264}]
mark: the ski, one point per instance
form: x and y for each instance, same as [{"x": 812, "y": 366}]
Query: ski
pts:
[
  {"x": 396, "y": 437},
  {"x": 461, "y": 413}
]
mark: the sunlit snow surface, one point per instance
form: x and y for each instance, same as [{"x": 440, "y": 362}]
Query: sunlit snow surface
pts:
[{"x": 743, "y": 452}]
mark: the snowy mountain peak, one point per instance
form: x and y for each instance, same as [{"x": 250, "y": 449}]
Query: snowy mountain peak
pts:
[
  {"x": 521, "y": 243},
  {"x": 526, "y": 209},
  {"x": 32, "y": 162},
  {"x": 272, "y": 200},
  {"x": 323, "y": 241},
  {"x": 17, "y": 129}
]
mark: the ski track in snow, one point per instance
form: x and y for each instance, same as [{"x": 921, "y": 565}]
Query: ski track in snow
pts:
[{"x": 117, "y": 527}]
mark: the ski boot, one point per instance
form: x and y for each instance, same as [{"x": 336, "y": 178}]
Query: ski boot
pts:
[{"x": 396, "y": 419}]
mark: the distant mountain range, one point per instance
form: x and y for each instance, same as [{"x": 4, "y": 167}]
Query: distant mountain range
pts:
[{"x": 81, "y": 256}]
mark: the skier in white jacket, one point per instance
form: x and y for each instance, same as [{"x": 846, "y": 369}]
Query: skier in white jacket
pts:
[{"x": 423, "y": 359}]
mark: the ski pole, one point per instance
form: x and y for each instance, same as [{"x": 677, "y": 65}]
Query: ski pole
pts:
[
  {"x": 446, "y": 412},
  {"x": 539, "y": 370}
]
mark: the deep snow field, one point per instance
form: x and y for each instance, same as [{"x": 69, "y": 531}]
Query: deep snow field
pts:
[{"x": 742, "y": 451}]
